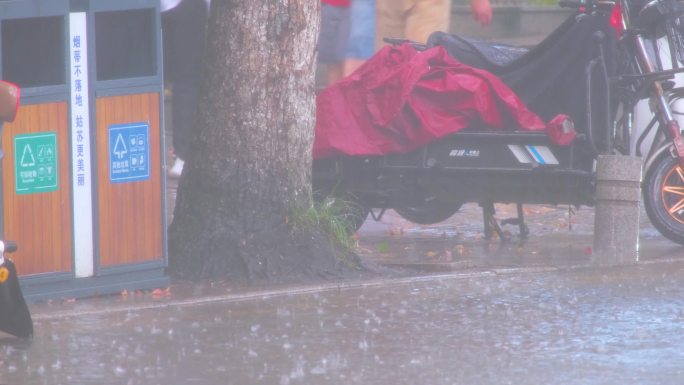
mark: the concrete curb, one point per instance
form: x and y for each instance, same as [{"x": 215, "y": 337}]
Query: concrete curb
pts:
[{"x": 337, "y": 286}]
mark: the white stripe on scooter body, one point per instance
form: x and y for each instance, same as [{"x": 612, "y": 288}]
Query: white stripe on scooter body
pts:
[{"x": 533, "y": 154}]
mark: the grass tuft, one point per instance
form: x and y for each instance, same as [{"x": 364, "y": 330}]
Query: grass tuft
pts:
[{"x": 332, "y": 216}]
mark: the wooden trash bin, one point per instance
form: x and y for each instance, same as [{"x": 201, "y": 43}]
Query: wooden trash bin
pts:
[{"x": 82, "y": 178}]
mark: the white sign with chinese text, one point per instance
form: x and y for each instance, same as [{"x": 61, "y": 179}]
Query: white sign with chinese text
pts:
[{"x": 80, "y": 146}]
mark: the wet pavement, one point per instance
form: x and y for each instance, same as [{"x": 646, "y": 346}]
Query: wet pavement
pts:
[
  {"x": 559, "y": 237},
  {"x": 572, "y": 326}
]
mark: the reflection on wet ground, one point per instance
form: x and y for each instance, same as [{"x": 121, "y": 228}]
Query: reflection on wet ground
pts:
[
  {"x": 559, "y": 237},
  {"x": 581, "y": 326}
]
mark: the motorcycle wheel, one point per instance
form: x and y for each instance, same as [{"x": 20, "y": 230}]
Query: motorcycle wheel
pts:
[
  {"x": 663, "y": 192},
  {"x": 430, "y": 212}
]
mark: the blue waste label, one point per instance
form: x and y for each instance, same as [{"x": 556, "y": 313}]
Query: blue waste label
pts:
[{"x": 129, "y": 152}]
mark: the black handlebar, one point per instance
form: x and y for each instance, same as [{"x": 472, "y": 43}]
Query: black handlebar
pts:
[
  {"x": 397, "y": 41},
  {"x": 587, "y": 5},
  {"x": 576, "y": 4}
]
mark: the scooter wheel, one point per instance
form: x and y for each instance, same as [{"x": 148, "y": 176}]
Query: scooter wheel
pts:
[
  {"x": 428, "y": 213},
  {"x": 663, "y": 192}
]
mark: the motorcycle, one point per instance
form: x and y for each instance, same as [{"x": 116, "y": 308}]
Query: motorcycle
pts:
[
  {"x": 15, "y": 317},
  {"x": 613, "y": 68}
]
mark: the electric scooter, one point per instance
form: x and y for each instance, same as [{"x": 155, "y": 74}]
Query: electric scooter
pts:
[
  {"x": 622, "y": 53},
  {"x": 15, "y": 317}
]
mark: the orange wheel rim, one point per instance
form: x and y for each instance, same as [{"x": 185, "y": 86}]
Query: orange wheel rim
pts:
[{"x": 672, "y": 193}]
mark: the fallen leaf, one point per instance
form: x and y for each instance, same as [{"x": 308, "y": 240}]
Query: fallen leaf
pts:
[
  {"x": 394, "y": 231},
  {"x": 447, "y": 256},
  {"x": 462, "y": 250}
]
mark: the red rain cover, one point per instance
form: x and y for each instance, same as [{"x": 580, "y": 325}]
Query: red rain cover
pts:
[{"x": 402, "y": 99}]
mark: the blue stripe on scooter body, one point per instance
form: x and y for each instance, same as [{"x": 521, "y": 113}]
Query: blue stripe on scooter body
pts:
[{"x": 536, "y": 154}]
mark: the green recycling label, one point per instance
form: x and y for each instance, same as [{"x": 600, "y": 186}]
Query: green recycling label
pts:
[{"x": 35, "y": 162}]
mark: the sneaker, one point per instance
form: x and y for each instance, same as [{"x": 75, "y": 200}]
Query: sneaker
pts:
[{"x": 177, "y": 168}]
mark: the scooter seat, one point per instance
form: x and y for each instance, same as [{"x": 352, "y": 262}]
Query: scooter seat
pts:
[{"x": 477, "y": 53}]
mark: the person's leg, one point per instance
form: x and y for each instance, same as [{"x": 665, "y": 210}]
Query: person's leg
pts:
[
  {"x": 183, "y": 108},
  {"x": 390, "y": 20},
  {"x": 361, "y": 45},
  {"x": 332, "y": 42},
  {"x": 351, "y": 65},
  {"x": 171, "y": 29},
  {"x": 186, "y": 60},
  {"x": 426, "y": 17},
  {"x": 334, "y": 72},
  {"x": 190, "y": 38}
]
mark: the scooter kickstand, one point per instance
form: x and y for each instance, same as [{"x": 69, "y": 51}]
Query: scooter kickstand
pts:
[
  {"x": 490, "y": 223},
  {"x": 520, "y": 221}
]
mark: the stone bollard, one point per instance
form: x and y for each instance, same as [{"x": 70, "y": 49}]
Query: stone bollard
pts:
[{"x": 616, "y": 219}]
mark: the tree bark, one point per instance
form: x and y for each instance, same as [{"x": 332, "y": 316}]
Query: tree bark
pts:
[{"x": 250, "y": 158}]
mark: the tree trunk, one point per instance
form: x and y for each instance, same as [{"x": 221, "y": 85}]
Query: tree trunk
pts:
[{"x": 250, "y": 159}]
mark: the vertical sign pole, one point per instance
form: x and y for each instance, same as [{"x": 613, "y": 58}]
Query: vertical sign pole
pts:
[{"x": 80, "y": 147}]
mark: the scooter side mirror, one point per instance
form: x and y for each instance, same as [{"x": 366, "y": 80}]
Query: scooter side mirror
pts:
[{"x": 9, "y": 101}]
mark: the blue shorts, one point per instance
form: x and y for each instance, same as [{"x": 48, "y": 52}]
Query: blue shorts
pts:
[
  {"x": 361, "y": 43},
  {"x": 332, "y": 41}
]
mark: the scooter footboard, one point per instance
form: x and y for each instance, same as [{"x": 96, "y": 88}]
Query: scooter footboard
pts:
[{"x": 495, "y": 151}]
